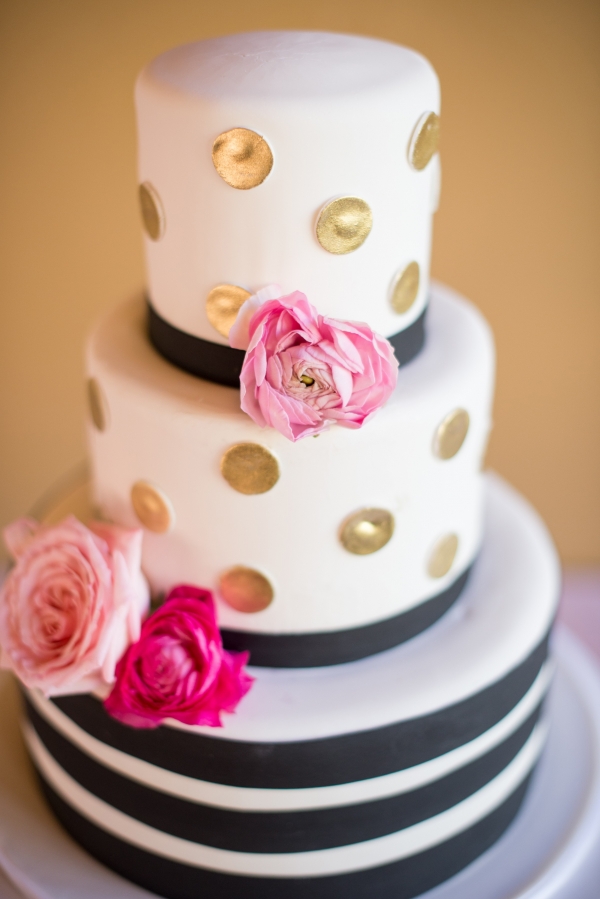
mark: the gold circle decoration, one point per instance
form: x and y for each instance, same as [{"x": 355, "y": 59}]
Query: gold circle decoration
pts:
[
  {"x": 245, "y": 589},
  {"x": 250, "y": 468},
  {"x": 222, "y": 306},
  {"x": 344, "y": 225},
  {"x": 98, "y": 406},
  {"x": 406, "y": 288},
  {"x": 425, "y": 141},
  {"x": 152, "y": 507},
  {"x": 450, "y": 434},
  {"x": 442, "y": 556},
  {"x": 242, "y": 158},
  {"x": 367, "y": 531},
  {"x": 153, "y": 214}
]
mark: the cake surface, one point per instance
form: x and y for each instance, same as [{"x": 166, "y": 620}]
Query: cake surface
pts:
[{"x": 298, "y": 419}]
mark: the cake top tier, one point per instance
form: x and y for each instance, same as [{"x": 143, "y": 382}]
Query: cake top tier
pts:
[{"x": 305, "y": 160}]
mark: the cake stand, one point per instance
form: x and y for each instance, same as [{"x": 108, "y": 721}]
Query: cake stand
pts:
[{"x": 551, "y": 851}]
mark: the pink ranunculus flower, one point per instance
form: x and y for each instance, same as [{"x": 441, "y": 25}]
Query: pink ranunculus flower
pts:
[
  {"x": 71, "y": 604},
  {"x": 178, "y": 668},
  {"x": 304, "y": 371}
]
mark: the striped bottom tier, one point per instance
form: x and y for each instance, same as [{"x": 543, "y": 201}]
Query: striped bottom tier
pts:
[{"x": 382, "y": 777}]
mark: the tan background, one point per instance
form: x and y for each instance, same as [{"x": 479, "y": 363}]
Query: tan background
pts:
[{"x": 517, "y": 230}]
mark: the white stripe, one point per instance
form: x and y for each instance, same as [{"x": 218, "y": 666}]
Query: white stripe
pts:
[
  {"x": 340, "y": 859},
  {"x": 258, "y": 799}
]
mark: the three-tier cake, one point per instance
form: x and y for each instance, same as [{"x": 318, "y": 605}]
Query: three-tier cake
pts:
[{"x": 396, "y": 603}]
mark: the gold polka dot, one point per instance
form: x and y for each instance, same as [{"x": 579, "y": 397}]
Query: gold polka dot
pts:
[
  {"x": 98, "y": 406},
  {"x": 153, "y": 214},
  {"x": 450, "y": 434},
  {"x": 250, "y": 468},
  {"x": 367, "y": 531},
  {"x": 344, "y": 225},
  {"x": 425, "y": 141},
  {"x": 152, "y": 507},
  {"x": 222, "y": 306},
  {"x": 245, "y": 589},
  {"x": 242, "y": 158},
  {"x": 442, "y": 556},
  {"x": 406, "y": 288}
]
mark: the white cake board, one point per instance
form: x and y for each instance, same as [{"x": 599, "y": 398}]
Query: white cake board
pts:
[{"x": 552, "y": 850}]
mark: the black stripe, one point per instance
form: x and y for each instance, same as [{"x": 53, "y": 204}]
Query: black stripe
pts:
[
  {"x": 338, "y": 647},
  {"x": 203, "y": 358},
  {"x": 222, "y": 364},
  {"x": 294, "y": 831},
  {"x": 403, "y": 879},
  {"x": 409, "y": 342},
  {"x": 312, "y": 763}
]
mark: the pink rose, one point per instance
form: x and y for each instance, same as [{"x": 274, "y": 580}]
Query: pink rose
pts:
[
  {"x": 72, "y": 603},
  {"x": 303, "y": 371},
  {"x": 178, "y": 668}
]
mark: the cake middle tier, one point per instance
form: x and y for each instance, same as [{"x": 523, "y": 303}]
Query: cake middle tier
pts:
[{"x": 347, "y": 531}]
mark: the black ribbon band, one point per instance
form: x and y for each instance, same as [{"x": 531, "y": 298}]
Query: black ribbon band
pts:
[
  {"x": 402, "y": 879},
  {"x": 280, "y": 831},
  {"x": 339, "y": 759},
  {"x": 337, "y": 647},
  {"x": 222, "y": 364}
]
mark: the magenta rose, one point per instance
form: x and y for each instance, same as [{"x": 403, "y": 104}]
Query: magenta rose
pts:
[
  {"x": 71, "y": 604},
  {"x": 304, "y": 371},
  {"x": 178, "y": 668}
]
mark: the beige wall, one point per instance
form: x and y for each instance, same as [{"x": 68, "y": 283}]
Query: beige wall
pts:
[{"x": 517, "y": 230}]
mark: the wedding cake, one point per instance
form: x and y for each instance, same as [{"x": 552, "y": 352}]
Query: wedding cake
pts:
[{"x": 295, "y": 419}]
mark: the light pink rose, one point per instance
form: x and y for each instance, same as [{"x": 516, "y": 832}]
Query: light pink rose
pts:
[
  {"x": 304, "y": 371},
  {"x": 178, "y": 668},
  {"x": 72, "y": 603}
]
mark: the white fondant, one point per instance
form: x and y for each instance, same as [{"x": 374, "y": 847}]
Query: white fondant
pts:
[
  {"x": 354, "y": 857},
  {"x": 251, "y": 799},
  {"x": 172, "y": 429},
  {"x": 338, "y": 112}
]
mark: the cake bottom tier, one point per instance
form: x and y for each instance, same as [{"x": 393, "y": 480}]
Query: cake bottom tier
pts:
[{"x": 378, "y": 778}]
